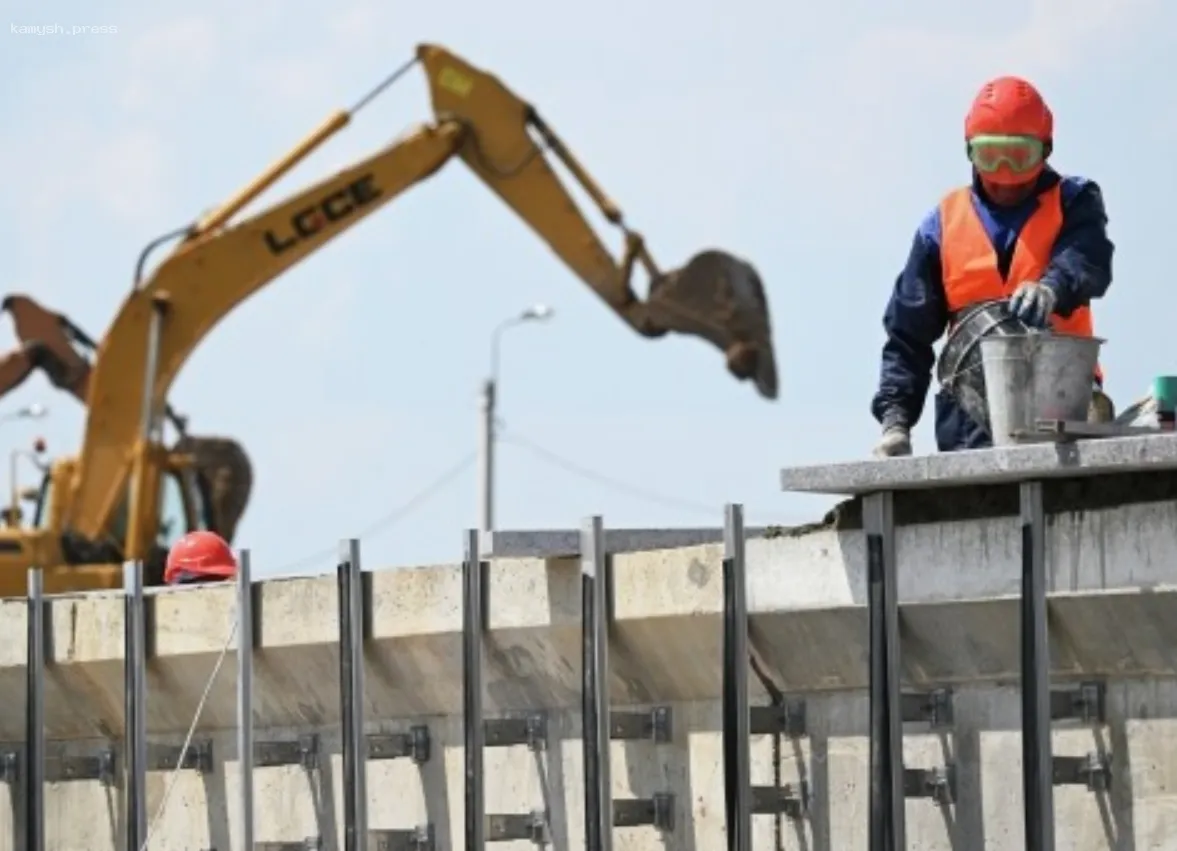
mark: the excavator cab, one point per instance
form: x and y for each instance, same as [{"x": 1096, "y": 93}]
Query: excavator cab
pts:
[
  {"x": 184, "y": 505},
  {"x": 183, "y": 508},
  {"x": 204, "y": 484}
]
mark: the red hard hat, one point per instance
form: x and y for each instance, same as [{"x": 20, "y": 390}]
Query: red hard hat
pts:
[
  {"x": 1009, "y": 106},
  {"x": 200, "y": 556}
]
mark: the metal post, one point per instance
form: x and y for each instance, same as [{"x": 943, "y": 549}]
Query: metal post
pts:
[
  {"x": 598, "y": 774},
  {"x": 472, "y": 626},
  {"x": 486, "y": 456},
  {"x": 135, "y": 698},
  {"x": 147, "y": 410},
  {"x": 351, "y": 687},
  {"x": 35, "y": 716},
  {"x": 736, "y": 714},
  {"x": 1037, "y": 759},
  {"x": 887, "y": 802},
  {"x": 149, "y": 426},
  {"x": 245, "y": 695}
]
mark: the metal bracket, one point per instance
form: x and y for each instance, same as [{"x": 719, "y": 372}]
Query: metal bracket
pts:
[
  {"x": 412, "y": 839},
  {"x": 939, "y": 784},
  {"x": 787, "y": 800},
  {"x": 199, "y": 757},
  {"x": 1093, "y": 771},
  {"x": 657, "y": 811},
  {"x": 1085, "y": 702},
  {"x": 788, "y": 720},
  {"x": 303, "y": 751},
  {"x": 101, "y": 766},
  {"x": 928, "y": 707},
  {"x": 530, "y": 729},
  {"x": 657, "y": 725},
  {"x": 311, "y": 843},
  {"x": 9, "y": 766},
  {"x": 414, "y": 744},
  {"x": 513, "y": 827}
]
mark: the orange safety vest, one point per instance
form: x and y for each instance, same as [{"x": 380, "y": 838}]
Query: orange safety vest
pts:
[{"x": 968, "y": 260}]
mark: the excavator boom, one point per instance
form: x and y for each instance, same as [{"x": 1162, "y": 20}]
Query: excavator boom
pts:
[
  {"x": 202, "y": 282},
  {"x": 503, "y": 140}
]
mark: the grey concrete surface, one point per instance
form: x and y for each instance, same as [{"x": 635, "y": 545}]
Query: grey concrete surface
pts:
[
  {"x": 1113, "y": 581},
  {"x": 559, "y": 543},
  {"x": 987, "y": 466}
]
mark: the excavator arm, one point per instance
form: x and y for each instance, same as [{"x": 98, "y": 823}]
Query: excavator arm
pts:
[
  {"x": 49, "y": 342},
  {"x": 715, "y": 296},
  {"x": 52, "y": 343},
  {"x": 218, "y": 264}
]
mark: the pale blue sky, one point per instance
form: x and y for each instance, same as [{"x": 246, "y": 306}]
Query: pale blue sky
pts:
[{"x": 810, "y": 138}]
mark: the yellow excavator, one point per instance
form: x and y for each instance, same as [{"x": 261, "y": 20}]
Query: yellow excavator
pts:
[
  {"x": 53, "y": 344},
  {"x": 104, "y": 506}
]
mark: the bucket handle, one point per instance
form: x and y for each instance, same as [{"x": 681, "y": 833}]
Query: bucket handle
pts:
[
  {"x": 985, "y": 329},
  {"x": 950, "y": 381}
]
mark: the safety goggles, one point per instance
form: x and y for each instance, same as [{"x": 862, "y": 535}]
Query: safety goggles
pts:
[{"x": 1019, "y": 153}]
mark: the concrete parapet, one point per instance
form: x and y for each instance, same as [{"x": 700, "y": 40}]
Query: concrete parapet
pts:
[
  {"x": 1113, "y": 617},
  {"x": 1114, "y": 612}
]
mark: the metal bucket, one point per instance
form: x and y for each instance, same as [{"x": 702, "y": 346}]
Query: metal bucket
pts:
[
  {"x": 959, "y": 369},
  {"x": 1037, "y": 376}
]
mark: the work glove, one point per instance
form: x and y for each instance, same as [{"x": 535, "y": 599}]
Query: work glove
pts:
[
  {"x": 896, "y": 441},
  {"x": 1033, "y": 302}
]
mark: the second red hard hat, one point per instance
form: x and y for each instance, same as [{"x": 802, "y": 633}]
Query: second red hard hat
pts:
[{"x": 200, "y": 557}]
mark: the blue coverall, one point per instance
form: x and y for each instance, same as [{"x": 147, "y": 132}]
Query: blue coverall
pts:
[{"x": 1080, "y": 270}]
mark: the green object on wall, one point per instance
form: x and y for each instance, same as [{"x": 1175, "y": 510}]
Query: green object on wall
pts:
[{"x": 1164, "y": 391}]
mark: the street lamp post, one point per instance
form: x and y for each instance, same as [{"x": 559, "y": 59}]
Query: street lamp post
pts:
[
  {"x": 487, "y": 410},
  {"x": 13, "y": 516},
  {"x": 28, "y": 412}
]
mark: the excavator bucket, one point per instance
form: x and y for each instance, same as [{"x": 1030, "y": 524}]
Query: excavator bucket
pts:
[
  {"x": 227, "y": 473},
  {"x": 720, "y": 298}
]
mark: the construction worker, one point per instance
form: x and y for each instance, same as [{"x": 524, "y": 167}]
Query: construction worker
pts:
[
  {"x": 1020, "y": 230},
  {"x": 200, "y": 557}
]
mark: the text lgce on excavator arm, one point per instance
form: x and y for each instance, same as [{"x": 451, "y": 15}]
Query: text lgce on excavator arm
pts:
[{"x": 218, "y": 264}]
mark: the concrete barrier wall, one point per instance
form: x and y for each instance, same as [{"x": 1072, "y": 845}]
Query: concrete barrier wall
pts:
[
  {"x": 1139, "y": 812},
  {"x": 1113, "y": 617}
]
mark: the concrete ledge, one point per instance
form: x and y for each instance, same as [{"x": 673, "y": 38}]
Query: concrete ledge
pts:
[
  {"x": 1109, "y": 634},
  {"x": 1150, "y": 453},
  {"x": 1114, "y": 613}
]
